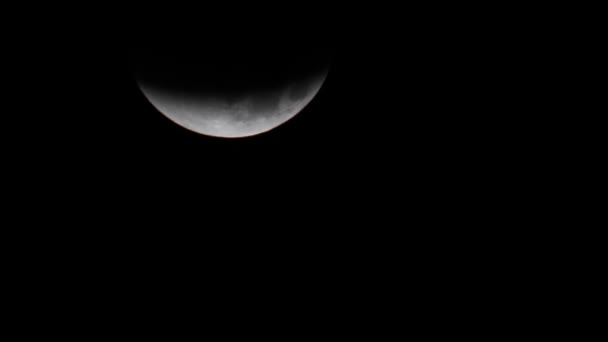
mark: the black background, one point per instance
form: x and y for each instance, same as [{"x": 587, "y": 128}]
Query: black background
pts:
[
  {"x": 412, "y": 171},
  {"x": 401, "y": 180},
  {"x": 408, "y": 127}
]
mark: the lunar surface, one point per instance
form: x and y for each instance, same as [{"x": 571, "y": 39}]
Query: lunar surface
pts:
[
  {"x": 234, "y": 114},
  {"x": 231, "y": 71}
]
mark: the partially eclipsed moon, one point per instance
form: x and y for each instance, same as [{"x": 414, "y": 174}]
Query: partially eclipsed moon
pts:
[{"x": 249, "y": 114}]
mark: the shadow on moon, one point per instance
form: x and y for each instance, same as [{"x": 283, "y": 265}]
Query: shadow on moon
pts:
[{"x": 220, "y": 91}]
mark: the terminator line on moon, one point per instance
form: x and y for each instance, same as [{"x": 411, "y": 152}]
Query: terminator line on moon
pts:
[{"x": 249, "y": 114}]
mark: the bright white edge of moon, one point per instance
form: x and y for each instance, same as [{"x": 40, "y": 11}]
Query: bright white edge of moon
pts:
[{"x": 218, "y": 118}]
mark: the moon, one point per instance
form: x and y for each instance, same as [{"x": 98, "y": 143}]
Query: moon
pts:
[
  {"x": 244, "y": 113},
  {"x": 232, "y": 71},
  {"x": 230, "y": 90}
]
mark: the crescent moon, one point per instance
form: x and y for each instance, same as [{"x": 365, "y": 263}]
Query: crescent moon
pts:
[{"x": 250, "y": 114}]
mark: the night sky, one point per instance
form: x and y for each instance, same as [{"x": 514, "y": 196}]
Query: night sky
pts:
[
  {"x": 404, "y": 119},
  {"x": 411, "y": 177}
]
